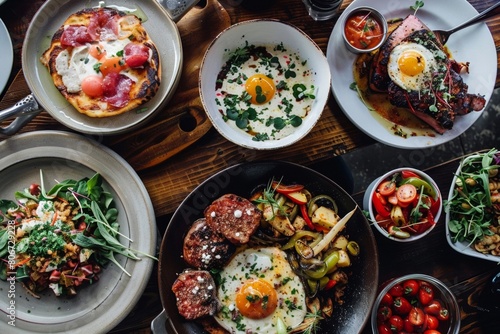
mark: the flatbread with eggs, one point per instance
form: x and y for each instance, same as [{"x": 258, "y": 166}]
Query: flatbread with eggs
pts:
[{"x": 103, "y": 62}]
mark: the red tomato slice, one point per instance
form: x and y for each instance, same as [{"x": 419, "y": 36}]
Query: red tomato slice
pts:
[
  {"x": 406, "y": 193},
  {"x": 407, "y": 174},
  {"x": 387, "y": 188}
]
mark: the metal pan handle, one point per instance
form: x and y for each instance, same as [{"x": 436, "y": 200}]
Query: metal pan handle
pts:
[
  {"x": 158, "y": 325},
  {"x": 23, "y": 112},
  {"x": 177, "y": 8}
]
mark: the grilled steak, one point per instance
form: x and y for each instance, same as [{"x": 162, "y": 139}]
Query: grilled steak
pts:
[
  {"x": 444, "y": 97},
  {"x": 195, "y": 293},
  {"x": 379, "y": 78},
  {"x": 233, "y": 216},
  {"x": 204, "y": 248}
]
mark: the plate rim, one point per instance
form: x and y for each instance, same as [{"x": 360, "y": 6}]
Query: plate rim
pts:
[{"x": 7, "y": 56}]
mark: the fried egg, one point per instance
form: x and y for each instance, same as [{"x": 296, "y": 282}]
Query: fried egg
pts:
[
  {"x": 83, "y": 61},
  {"x": 267, "y": 95},
  {"x": 411, "y": 66},
  {"x": 257, "y": 288}
]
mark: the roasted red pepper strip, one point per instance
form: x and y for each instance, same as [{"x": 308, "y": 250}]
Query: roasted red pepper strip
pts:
[
  {"x": 330, "y": 284},
  {"x": 282, "y": 189},
  {"x": 303, "y": 210}
]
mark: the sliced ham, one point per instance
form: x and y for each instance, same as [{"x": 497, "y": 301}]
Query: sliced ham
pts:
[
  {"x": 117, "y": 89},
  {"x": 75, "y": 36},
  {"x": 103, "y": 26},
  {"x": 135, "y": 55}
]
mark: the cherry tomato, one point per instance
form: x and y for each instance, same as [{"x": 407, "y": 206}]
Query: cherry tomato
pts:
[
  {"x": 97, "y": 51},
  {"x": 431, "y": 321},
  {"x": 411, "y": 287},
  {"x": 401, "y": 305},
  {"x": 396, "y": 323},
  {"x": 384, "y": 312},
  {"x": 386, "y": 299},
  {"x": 92, "y": 85},
  {"x": 396, "y": 290},
  {"x": 416, "y": 316},
  {"x": 407, "y": 174},
  {"x": 113, "y": 64},
  {"x": 379, "y": 206},
  {"x": 408, "y": 326},
  {"x": 387, "y": 188},
  {"x": 443, "y": 314},
  {"x": 433, "y": 307},
  {"x": 34, "y": 189},
  {"x": 384, "y": 329},
  {"x": 432, "y": 331},
  {"x": 406, "y": 193},
  {"x": 425, "y": 294}
]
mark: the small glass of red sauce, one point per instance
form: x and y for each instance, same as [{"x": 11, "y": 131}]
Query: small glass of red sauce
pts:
[{"x": 364, "y": 29}]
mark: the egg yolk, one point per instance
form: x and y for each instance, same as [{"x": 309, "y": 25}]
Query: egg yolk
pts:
[
  {"x": 261, "y": 88},
  {"x": 411, "y": 63},
  {"x": 256, "y": 299}
]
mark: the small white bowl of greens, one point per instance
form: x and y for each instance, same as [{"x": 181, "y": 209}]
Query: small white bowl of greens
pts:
[{"x": 473, "y": 207}]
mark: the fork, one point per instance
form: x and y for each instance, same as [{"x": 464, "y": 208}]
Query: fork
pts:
[{"x": 443, "y": 35}]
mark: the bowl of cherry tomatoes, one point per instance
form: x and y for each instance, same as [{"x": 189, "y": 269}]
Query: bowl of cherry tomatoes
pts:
[
  {"x": 415, "y": 303},
  {"x": 404, "y": 204}
]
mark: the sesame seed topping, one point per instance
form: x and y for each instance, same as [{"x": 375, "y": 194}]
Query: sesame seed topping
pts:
[{"x": 238, "y": 213}]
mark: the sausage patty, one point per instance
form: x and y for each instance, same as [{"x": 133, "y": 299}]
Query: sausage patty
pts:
[
  {"x": 233, "y": 216},
  {"x": 195, "y": 293},
  {"x": 204, "y": 248}
]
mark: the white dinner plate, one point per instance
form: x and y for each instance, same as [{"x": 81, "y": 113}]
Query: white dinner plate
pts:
[
  {"x": 7, "y": 55},
  {"x": 96, "y": 308},
  {"x": 474, "y": 44}
]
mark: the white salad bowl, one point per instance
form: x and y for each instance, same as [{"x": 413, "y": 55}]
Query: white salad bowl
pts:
[{"x": 260, "y": 33}]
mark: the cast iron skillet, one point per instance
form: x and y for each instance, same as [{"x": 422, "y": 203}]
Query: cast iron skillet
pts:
[
  {"x": 159, "y": 24},
  {"x": 241, "y": 179}
]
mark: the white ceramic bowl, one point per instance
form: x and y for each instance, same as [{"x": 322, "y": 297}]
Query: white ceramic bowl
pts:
[
  {"x": 262, "y": 32},
  {"x": 372, "y": 188}
]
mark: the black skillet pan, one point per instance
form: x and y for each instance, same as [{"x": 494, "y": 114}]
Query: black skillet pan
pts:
[
  {"x": 160, "y": 25},
  {"x": 241, "y": 179}
]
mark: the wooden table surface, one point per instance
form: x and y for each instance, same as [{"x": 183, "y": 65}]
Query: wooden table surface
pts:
[{"x": 170, "y": 181}]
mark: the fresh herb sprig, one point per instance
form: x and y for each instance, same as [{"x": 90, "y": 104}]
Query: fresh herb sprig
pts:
[{"x": 418, "y": 4}]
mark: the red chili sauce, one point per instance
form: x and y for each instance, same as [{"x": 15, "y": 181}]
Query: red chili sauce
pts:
[{"x": 363, "y": 30}]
